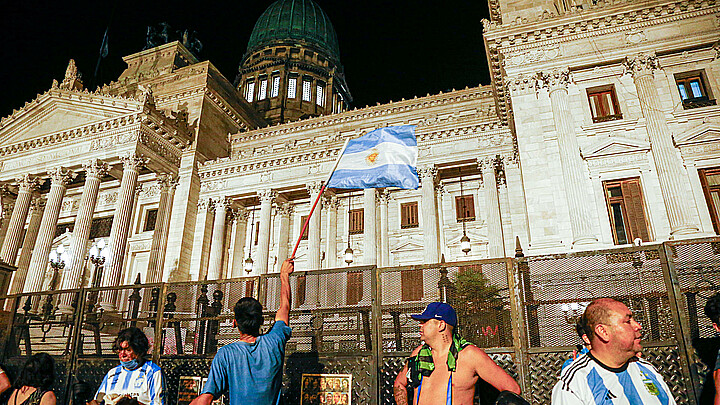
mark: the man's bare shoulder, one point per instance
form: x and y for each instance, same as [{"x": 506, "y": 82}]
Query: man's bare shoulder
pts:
[{"x": 473, "y": 353}]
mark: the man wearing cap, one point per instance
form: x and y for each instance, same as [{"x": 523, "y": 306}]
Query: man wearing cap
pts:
[{"x": 446, "y": 367}]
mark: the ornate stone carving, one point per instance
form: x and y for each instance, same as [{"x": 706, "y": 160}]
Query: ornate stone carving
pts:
[
  {"x": 383, "y": 197},
  {"x": 716, "y": 48},
  {"x": 331, "y": 202},
  {"x": 220, "y": 203},
  {"x": 314, "y": 187},
  {"x": 427, "y": 173},
  {"x": 533, "y": 55},
  {"x": 267, "y": 196},
  {"x": 72, "y": 78},
  {"x": 635, "y": 37},
  {"x": 38, "y": 204},
  {"x": 133, "y": 161},
  {"x": 146, "y": 96},
  {"x": 95, "y": 168},
  {"x": 165, "y": 180},
  {"x": 203, "y": 203},
  {"x": 285, "y": 208},
  {"x": 641, "y": 64},
  {"x": 553, "y": 80},
  {"x": 28, "y": 183},
  {"x": 61, "y": 176}
]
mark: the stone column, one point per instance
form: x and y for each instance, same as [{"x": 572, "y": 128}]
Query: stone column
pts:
[
  {"x": 370, "y": 244},
  {"x": 331, "y": 251},
  {"x": 314, "y": 228},
  {"x": 218, "y": 237},
  {"x": 384, "y": 199},
  {"x": 167, "y": 184},
  {"x": 36, "y": 212},
  {"x": 120, "y": 230},
  {"x": 574, "y": 179},
  {"x": 240, "y": 222},
  {"x": 429, "y": 214},
  {"x": 28, "y": 185},
  {"x": 94, "y": 171},
  {"x": 284, "y": 210},
  {"x": 442, "y": 242},
  {"x": 61, "y": 177},
  {"x": 492, "y": 207},
  {"x": 668, "y": 165},
  {"x": 267, "y": 197}
]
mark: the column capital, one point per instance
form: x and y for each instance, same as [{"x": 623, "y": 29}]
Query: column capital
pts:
[
  {"x": 38, "y": 204},
  {"x": 427, "y": 173},
  {"x": 285, "y": 208},
  {"x": 203, "y": 203},
  {"x": 487, "y": 163},
  {"x": 716, "y": 48},
  {"x": 557, "y": 79},
  {"x": 383, "y": 196},
  {"x": 133, "y": 161},
  {"x": 95, "y": 168},
  {"x": 220, "y": 203},
  {"x": 28, "y": 183},
  {"x": 268, "y": 196},
  {"x": 314, "y": 187},
  {"x": 166, "y": 181},
  {"x": 61, "y": 176},
  {"x": 641, "y": 64},
  {"x": 332, "y": 202},
  {"x": 440, "y": 189}
]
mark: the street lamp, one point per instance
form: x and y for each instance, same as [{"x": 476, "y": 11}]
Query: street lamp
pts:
[
  {"x": 572, "y": 312},
  {"x": 248, "y": 265},
  {"x": 464, "y": 241},
  {"x": 349, "y": 252},
  {"x": 58, "y": 258},
  {"x": 98, "y": 254}
]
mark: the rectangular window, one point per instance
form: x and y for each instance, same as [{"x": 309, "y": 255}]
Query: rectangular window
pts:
[
  {"x": 409, "y": 215},
  {"x": 626, "y": 210},
  {"x": 249, "y": 288},
  {"x": 100, "y": 227},
  {"x": 320, "y": 98},
  {"x": 603, "y": 104},
  {"x": 302, "y": 222},
  {"x": 354, "y": 290},
  {"x": 292, "y": 87},
  {"x": 150, "y": 220},
  {"x": 262, "y": 94},
  {"x": 300, "y": 290},
  {"x": 412, "y": 284},
  {"x": 357, "y": 221},
  {"x": 710, "y": 180},
  {"x": 693, "y": 89},
  {"x": 250, "y": 91},
  {"x": 306, "y": 90},
  {"x": 465, "y": 208},
  {"x": 275, "y": 89}
]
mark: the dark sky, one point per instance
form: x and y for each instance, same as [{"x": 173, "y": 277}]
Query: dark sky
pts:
[{"x": 390, "y": 49}]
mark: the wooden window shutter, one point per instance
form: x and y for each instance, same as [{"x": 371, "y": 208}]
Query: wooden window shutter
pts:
[
  {"x": 249, "y": 288},
  {"x": 412, "y": 284},
  {"x": 409, "y": 215},
  {"x": 357, "y": 221},
  {"x": 354, "y": 287},
  {"x": 632, "y": 196},
  {"x": 465, "y": 208},
  {"x": 302, "y": 222}
]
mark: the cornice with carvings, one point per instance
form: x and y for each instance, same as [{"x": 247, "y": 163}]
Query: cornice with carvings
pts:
[
  {"x": 468, "y": 94},
  {"x": 600, "y": 19},
  {"x": 224, "y": 107},
  {"x": 74, "y": 95}
]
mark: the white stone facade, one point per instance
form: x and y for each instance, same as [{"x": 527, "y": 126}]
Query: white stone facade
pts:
[{"x": 227, "y": 186}]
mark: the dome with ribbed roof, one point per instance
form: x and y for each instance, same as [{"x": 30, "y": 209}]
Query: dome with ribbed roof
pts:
[{"x": 294, "y": 20}]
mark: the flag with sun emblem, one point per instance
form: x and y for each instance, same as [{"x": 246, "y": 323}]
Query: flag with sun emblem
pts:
[{"x": 385, "y": 157}]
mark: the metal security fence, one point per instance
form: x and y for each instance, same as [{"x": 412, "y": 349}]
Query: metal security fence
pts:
[{"x": 357, "y": 321}]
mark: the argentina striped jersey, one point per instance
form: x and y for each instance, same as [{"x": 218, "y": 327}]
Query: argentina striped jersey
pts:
[
  {"x": 587, "y": 381},
  {"x": 145, "y": 383}
]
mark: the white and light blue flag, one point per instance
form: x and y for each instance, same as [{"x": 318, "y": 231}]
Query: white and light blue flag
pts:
[{"x": 385, "y": 157}]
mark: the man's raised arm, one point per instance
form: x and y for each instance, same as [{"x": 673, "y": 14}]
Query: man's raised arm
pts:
[{"x": 283, "y": 313}]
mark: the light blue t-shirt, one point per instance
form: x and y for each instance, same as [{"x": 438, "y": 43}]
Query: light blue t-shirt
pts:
[{"x": 250, "y": 373}]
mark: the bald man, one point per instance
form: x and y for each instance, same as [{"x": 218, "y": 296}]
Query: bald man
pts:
[{"x": 611, "y": 373}]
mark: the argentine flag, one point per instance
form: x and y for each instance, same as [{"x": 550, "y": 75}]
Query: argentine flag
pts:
[{"x": 385, "y": 157}]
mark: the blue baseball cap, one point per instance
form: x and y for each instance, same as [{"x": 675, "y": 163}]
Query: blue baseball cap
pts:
[{"x": 440, "y": 311}]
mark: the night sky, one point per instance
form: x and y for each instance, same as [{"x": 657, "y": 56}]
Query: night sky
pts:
[{"x": 390, "y": 49}]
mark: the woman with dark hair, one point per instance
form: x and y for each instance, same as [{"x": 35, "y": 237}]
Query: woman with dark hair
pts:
[
  {"x": 33, "y": 385},
  {"x": 136, "y": 377}
]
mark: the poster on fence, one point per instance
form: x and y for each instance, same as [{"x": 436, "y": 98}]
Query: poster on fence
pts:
[
  {"x": 326, "y": 389},
  {"x": 188, "y": 388}
]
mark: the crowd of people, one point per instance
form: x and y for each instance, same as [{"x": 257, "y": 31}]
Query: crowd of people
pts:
[{"x": 608, "y": 368}]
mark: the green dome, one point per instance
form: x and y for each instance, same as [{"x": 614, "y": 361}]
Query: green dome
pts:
[{"x": 298, "y": 20}]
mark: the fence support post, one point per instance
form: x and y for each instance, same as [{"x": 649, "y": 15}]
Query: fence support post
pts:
[
  {"x": 516, "y": 271},
  {"x": 683, "y": 331},
  {"x": 376, "y": 317}
]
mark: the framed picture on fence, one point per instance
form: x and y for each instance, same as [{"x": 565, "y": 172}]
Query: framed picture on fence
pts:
[{"x": 326, "y": 389}]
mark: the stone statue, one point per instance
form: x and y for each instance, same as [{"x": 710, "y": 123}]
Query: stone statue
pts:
[{"x": 157, "y": 35}]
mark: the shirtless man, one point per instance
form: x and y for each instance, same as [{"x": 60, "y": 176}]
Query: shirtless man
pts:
[{"x": 446, "y": 368}]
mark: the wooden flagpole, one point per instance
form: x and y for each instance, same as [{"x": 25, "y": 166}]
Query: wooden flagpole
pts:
[{"x": 322, "y": 189}]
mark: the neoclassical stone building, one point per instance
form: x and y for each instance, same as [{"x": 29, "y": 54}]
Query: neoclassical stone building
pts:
[{"x": 600, "y": 127}]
